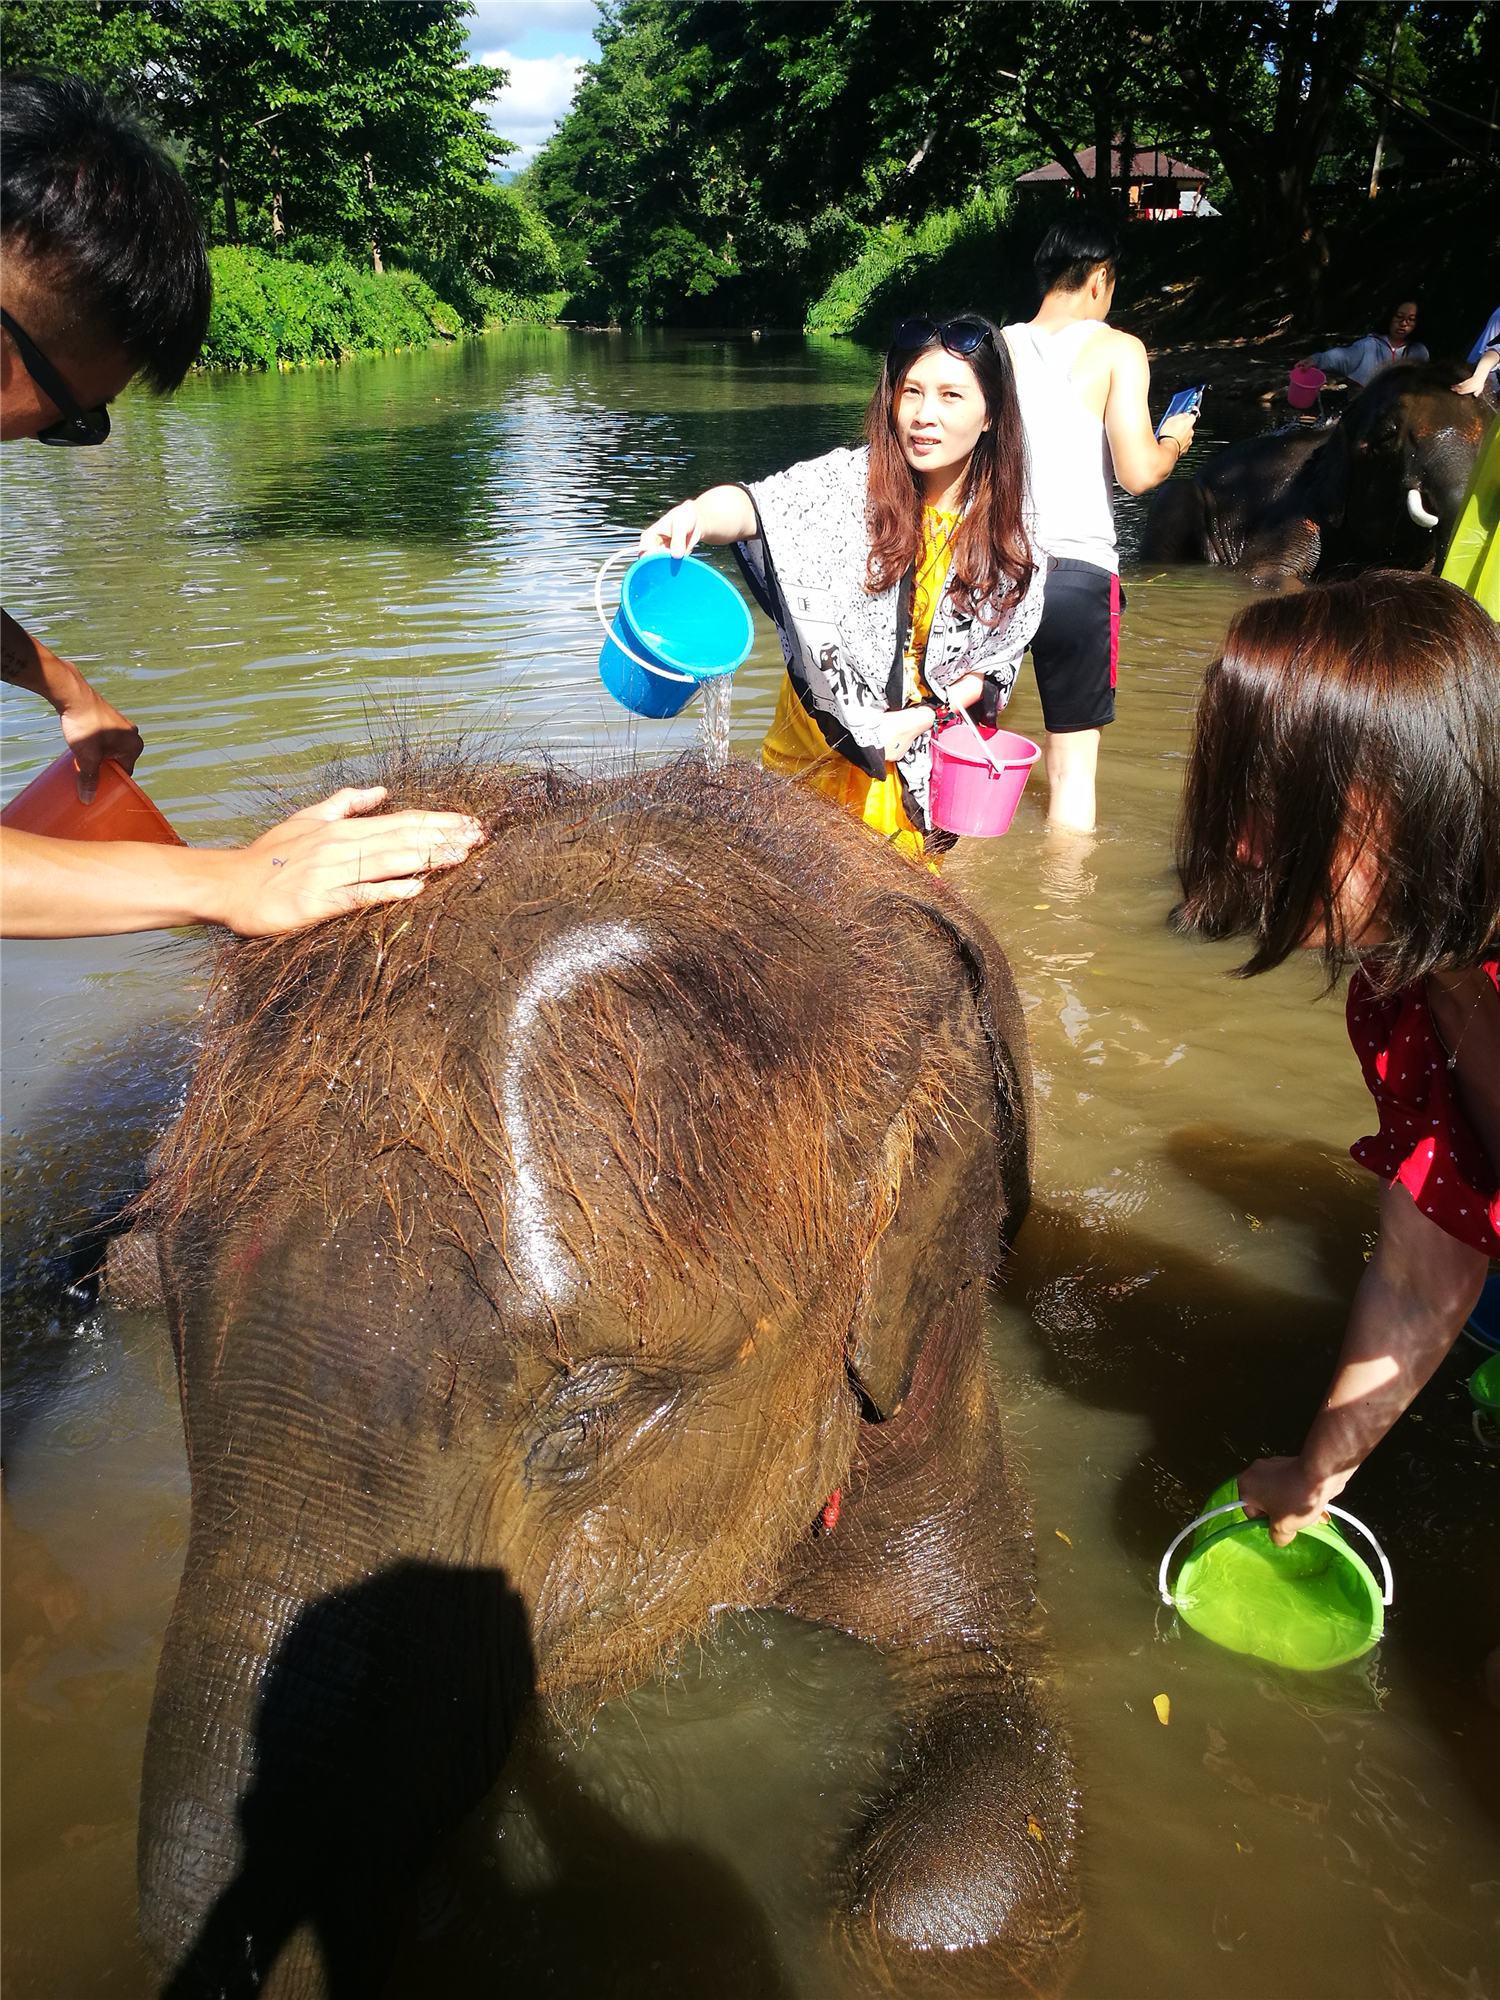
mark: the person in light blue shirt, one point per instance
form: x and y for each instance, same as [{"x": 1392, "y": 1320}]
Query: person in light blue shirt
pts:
[
  {"x": 1484, "y": 359},
  {"x": 1363, "y": 359}
]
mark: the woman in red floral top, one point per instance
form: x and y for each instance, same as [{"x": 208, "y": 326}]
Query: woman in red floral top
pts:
[{"x": 1344, "y": 795}]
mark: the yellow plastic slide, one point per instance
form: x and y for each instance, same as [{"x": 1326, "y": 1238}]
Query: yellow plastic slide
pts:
[{"x": 1473, "y": 558}]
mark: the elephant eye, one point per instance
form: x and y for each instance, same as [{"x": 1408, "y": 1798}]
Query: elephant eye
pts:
[{"x": 602, "y": 1410}]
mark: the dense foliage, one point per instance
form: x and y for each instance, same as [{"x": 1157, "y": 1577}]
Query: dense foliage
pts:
[
  {"x": 736, "y": 159},
  {"x": 318, "y": 133}
]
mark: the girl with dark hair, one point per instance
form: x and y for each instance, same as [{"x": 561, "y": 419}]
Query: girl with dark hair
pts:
[
  {"x": 1343, "y": 795},
  {"x": 899, "y": 577}
]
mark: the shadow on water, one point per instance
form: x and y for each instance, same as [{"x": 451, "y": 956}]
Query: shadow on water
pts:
[
  {"x": 433, "y": 1669},
  {"x": 587, "y": 1907},
  {"x": 1220, "y": 1363},
  {"x": 77, "y": 1144}
]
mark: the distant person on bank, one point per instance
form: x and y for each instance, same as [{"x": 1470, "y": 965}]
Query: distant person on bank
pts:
[
  {"x": 1084, "y": 390},
  {"x": 1484, "y": 359},
  {"x": 899, "y": 576},
  {"x": 1340, "y": 798},
  {"x": 1363, "y": 359},
  {"x": 103, "y": 277}
]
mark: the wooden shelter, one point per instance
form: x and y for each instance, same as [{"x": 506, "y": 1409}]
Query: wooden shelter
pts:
[{"x": 1159, "y": 188}]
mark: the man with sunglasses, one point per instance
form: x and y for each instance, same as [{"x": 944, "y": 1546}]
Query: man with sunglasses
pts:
[
  {"x": 1083, "y": 388},
  {"x": 103, "y": 278}
]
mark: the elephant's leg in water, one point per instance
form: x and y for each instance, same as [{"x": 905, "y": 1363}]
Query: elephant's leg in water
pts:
[{"x": 970, "y": 1852}]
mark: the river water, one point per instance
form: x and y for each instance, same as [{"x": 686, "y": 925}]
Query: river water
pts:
[{"x": 266, "y": 570}]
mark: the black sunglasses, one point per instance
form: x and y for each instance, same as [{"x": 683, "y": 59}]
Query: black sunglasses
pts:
[
  {"x": 959, "y": 336},
  {"x": 76, "y": 425}
]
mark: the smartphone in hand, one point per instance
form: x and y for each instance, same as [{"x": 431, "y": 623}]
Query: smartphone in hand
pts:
[{"x": 1186, "y": 403}]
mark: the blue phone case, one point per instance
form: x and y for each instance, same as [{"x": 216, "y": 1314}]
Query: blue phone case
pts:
[{"x": 1186, "y": 402}]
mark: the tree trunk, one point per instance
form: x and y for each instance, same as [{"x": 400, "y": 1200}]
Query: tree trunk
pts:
[
  {"x": 226, "y": 185},
  {"x": 370, "y": 191},
  {"x": 1127, "y": 162},
  {"x": 1385, "y": 103},
  {"x": 278, "y": 211},
  {"x": 1103, "y": 142}
]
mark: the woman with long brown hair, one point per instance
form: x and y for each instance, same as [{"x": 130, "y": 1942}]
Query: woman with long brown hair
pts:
[
  {"x": 1343, "y": 795},
  {"x": 899, "y": 576}
]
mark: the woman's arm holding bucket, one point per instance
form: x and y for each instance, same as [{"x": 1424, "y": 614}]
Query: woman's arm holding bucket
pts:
[
  {"x": 1419, "y": 1287},
  {"x": 722, "y": 514}
]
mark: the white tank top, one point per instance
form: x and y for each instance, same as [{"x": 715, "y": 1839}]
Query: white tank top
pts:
[{"x": 1072, "y": 474}]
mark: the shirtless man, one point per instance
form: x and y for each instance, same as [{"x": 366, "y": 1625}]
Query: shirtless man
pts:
[{"x": 1083, "y": 388}]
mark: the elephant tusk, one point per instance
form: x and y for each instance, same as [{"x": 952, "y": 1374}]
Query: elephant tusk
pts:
[{"x": 1417, "y": 511}]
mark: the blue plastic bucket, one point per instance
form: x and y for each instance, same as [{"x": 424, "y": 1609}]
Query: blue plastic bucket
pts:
[{"x": 679, "y": 623}]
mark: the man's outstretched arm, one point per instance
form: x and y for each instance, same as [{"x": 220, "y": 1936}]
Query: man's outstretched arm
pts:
[{"x": 335, "y": 856}]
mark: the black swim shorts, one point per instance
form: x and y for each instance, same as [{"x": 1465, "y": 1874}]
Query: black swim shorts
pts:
[{"x": 1076, "y": 650}]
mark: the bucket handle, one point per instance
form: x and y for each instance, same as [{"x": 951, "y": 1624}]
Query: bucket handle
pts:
[
  {"x": 987, "y": 750},
  {"x": 1233, "y": 1507},
  {"x": 650, "y": 666}
]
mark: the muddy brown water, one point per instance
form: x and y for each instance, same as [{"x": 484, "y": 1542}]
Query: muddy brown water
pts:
[{"x": 263, "y": 571}]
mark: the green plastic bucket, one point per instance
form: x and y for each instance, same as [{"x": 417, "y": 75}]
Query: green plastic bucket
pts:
[
  {"x": 1312, "y": 1605},
  {"x": 1484, "y": 1386}
]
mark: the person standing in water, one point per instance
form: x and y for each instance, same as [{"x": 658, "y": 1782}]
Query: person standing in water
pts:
[
  {"x": 899, "y": 575},
  {"x": 103, "y": 278},
  {"x": 1084, "y": 389},
  {"x": 1343, "y": 795}
]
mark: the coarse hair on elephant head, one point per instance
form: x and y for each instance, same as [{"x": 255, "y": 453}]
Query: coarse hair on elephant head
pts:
[{"x": 557, "y": 1235}]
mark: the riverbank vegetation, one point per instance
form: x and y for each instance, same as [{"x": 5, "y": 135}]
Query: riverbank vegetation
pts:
[
  {"x": 341, "y": 157},
  {"x": 741, "y": 161},
  {"x": 825, "y": 164}
]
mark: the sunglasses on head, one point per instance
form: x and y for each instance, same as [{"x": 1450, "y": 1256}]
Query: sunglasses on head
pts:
[
  {"x": 959, "y": 336},
  {"x": 76, "y": 425}
]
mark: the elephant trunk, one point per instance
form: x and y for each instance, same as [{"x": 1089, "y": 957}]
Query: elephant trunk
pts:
[
  {"x": 1417, "y": 511},
  {"x": 310, "y": 1740}
]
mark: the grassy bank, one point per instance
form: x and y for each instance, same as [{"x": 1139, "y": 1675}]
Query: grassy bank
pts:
[{"x": 271, "y": 311}]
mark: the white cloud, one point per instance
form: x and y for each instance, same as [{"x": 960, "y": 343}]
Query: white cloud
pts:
[
  {"x": 497, "y": 22},
  {"x": 538, "y": 94}
]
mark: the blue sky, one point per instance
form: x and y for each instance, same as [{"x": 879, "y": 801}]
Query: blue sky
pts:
[{"x": 543, "y": 43}]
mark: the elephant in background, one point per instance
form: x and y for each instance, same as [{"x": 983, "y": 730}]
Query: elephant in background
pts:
[
  {"x": 1379, "y": 489},
  {"x": 593, "y": 1244}
]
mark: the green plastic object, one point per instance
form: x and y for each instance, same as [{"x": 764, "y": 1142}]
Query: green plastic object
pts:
[
  {"x": 1484, "y": 1386},
  {"x": 1312, "y": 1605}
]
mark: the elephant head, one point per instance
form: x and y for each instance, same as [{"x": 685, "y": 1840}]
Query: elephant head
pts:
[
  {"x": 1389, "y": 482},
  {"x": 533, "y": 1253}
]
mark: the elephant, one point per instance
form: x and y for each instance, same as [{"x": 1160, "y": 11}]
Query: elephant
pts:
[
  {"x": 593, "y": 1244},
  {"x": 1381, "y": 488}
]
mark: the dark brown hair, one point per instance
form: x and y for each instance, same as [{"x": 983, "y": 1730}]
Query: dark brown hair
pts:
[
  {"x": 95, "y": 203},
  {"x": 992, "y": 565},
  {"x": 1340, "y": 717}
]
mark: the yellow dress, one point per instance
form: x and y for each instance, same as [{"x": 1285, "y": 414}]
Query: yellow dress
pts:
[
  {"x": 794, "y": 744},
  {"x": 1473, "y": 559}
]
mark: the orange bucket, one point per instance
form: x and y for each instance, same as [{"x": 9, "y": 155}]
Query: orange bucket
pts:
[{"x": 120, "y": 810}]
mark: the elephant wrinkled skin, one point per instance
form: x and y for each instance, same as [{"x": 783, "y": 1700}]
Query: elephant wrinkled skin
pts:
[
  {"x": 541, "y": 1257},
  {"x": 1380, "y": 489}
]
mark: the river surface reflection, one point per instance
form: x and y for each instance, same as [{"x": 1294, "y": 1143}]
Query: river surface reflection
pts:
[{"x": 265, "y": 570}]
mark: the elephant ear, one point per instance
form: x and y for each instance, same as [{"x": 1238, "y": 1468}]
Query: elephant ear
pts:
[
  {"x": 957, "y": 1152},
  {"x": 1323, "y": 488}
]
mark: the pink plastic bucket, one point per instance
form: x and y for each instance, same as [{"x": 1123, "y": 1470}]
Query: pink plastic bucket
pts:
[{"x": 969, "y": 795}]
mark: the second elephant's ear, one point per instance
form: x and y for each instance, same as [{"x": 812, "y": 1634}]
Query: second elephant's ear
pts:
[
  {"x": 1326, "y": 479},
  {"x": 956, "y": 1153}
]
